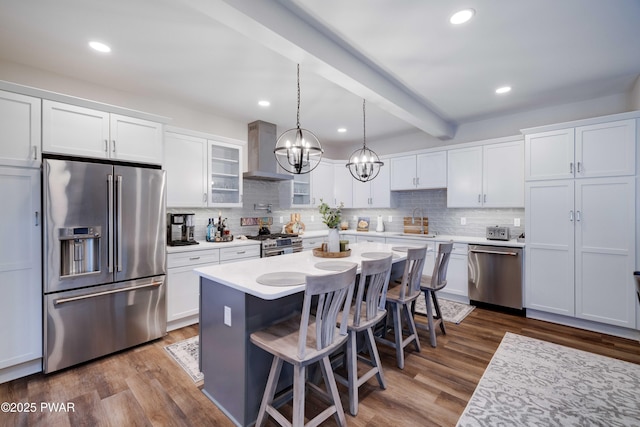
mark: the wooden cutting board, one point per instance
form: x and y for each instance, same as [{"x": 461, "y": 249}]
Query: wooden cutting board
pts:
[{"x": 415, "y": 227}]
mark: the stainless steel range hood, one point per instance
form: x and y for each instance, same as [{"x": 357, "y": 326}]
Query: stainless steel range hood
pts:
[{"x": 261, "y": 162}]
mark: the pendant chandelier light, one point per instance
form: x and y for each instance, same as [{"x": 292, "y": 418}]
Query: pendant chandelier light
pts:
[
  {"x": 298, "y": 151},
  {"x": 364, "y": 164}
]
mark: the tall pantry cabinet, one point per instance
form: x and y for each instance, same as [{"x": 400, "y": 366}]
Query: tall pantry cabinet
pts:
[
  {"x": 580, "y": 221},
  {"x": 20, "y": 234}
]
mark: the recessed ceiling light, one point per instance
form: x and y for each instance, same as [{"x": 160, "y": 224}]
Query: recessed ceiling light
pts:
[
  {"x": 462, "y": 16},
  {"x": 503, "y": 89},
  {"x": 342, "y": 130},
  {"x": 100, "y": 47},
  {"x": 264, "y": 103}
]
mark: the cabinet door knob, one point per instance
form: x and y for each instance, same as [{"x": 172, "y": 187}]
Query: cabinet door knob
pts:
[
  {"x": 579, "y": 167},
  {"x": 578, "y": 215},
  {"x": 479, "y": 198},
  {"x": 571, "y": 168},
  {"x": 106, "y": 146},
  {"x": 571, "y": 216},
  {"x": 485, "y": 198},
  {"x": 114, "y": 145}
]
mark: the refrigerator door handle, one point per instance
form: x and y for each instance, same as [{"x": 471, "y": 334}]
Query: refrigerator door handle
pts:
[
  {"x": 114, "y": 291},
  {"x": 110, "y": 220},
  {"x": 119, "y": 222}
]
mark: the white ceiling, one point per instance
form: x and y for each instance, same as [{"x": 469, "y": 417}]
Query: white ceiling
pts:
[{"x": 415, "y": 69}]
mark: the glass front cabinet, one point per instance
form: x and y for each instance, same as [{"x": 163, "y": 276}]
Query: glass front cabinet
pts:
[
  {"x": 225, "y": 174},
  {"x": 301, "y": 189}
]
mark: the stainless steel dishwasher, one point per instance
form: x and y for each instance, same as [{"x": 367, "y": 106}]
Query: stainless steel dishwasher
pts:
[{"x": 495, "y": 275}]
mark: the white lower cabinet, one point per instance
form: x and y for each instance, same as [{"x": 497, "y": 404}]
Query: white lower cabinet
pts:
[
  {"x": 580, "y": 252},
  {"x": 20, "y": 274},
  {"x": 238, "y": 253},
  {"x": 183, "y": 285},
  {"x": 365, "y": 238},
  {"x": 309, "y": 243},
  {"x": 457, "y": 273}
]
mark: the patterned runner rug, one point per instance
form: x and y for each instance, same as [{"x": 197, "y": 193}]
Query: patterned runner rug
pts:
[
  {"x": 185, "y": 353},
  {"x": 530, "y": 382},
  {"x": 452, "y": 311}
]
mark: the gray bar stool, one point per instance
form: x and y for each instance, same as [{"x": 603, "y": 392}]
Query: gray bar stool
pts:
[
  {"x": 399, "y": 301},
  {"x": 430, "y": 285},
  {"x": 367, "y": 310},
  {"x": 302, "y": 340}
]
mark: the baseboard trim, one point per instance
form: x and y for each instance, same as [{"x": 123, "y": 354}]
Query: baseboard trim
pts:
[{"x": 617, "y": 331}]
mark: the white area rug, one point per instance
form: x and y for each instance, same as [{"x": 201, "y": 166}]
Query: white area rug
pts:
[
  {"x": 452, "y": 311},
  {"x": 530, "y": 382},
  {"x": 186, "y": 354}
]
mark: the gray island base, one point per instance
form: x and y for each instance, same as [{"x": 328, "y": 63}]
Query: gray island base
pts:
[{"x": 235, "y": 371}]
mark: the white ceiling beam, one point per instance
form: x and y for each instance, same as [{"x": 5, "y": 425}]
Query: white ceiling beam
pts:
[{"x": 284, "y": 27}]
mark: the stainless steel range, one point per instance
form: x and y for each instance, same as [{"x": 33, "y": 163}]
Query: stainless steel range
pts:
[{"x": 278, "y": 244}]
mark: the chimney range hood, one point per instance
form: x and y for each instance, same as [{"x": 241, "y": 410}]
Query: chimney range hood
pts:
[{"x": 261, "y": 161}]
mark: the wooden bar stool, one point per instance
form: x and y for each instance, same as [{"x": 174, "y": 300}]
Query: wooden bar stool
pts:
[
  {"x": 303, "y": 340},
  {"x": 367, "y": 311},
  {"x": 430, "y": 285},
  {"x": 399, "y": 301}
]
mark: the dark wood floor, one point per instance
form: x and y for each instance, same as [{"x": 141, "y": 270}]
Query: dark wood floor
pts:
[{"x": 145, "y": 387}]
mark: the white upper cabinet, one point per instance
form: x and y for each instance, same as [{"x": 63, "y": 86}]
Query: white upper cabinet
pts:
[
  {"x": 309, "y": 188},
  {"x": 374, "y": 193},
  {"x": 343, "y": 185},
  {"x": 503, "y": 175},
  {"x": 225, "y": 174},
  {"x": 599, "y": 150},
  {"x": 20, "y": 130},
  {"x": 464, "y": 183},
  {"x": 202, "y": 172},
  {"x": 422, "y": 171},
  {"x": 606, "y": 149},
  {"x": 80, "y": 131},
  {"x": 135, "y": 140},
  {"x": 185, "y": 160},
  {"x": 322, "y": 181},
  {"x": 486, "y": 176}
]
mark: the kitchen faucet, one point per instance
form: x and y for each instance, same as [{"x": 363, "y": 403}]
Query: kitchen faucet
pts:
[{"x": 413, "y": 218}]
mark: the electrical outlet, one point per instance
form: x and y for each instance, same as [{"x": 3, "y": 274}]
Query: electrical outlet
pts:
[
  {"x": 390, "y": 219},
  {"x": 516, "y": 222},
  {"x": 313, "y": 218},
  {"x": 227, "y": 315},
  {"x": 355, "y": 218},
  {"x": 281, "y": 220},
  {"x": 463, "y": 221}
]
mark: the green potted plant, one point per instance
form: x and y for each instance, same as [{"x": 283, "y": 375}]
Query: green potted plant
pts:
[{"x": 332, "y": 217}]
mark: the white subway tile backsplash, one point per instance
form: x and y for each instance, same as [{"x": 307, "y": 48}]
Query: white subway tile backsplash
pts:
[{"x": 434, "y": 203}]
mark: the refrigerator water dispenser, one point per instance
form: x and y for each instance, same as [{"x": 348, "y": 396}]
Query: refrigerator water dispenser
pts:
[{"x": 80, "y": 250}]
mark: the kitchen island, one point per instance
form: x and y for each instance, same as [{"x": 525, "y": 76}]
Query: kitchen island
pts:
[{"x": 233, "y": 305}]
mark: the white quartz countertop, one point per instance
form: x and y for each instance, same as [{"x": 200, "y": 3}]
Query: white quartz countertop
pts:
[
  {"x": 242, "y": 275},
  {"x": 438, "y": 238},
  {"x": 212, "y": 245}
]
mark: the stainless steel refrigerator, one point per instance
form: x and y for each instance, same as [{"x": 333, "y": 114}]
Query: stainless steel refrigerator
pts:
[{"x": 104, "y": 259}]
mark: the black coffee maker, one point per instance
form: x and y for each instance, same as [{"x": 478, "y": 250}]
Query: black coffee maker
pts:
[{"x": 181, "y": 229}]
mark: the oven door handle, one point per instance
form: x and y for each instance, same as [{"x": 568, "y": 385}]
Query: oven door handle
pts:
[{"x": 99, "y": 294}]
